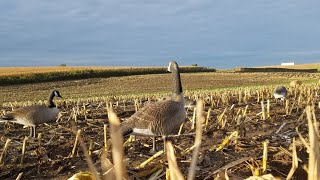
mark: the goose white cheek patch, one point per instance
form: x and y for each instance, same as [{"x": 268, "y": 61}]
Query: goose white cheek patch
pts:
[{"x": 169, "y": 67}]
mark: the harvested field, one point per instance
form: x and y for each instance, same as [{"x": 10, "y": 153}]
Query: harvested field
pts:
[
  {"x": 41, "y": 74},
  {"x": 228, "y": 110},
  {"x": 7, "y": 71},
  {"x": 141, "y": 84}
]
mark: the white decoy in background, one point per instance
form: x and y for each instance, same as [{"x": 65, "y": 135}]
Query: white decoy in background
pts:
[
  {"x": 161, "y": 118},
  {"x": 280, "y": 92},
  {"x": 34, "y": 115}
]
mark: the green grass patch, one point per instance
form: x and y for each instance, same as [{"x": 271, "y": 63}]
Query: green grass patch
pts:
[{"x": 85, "y": 74}]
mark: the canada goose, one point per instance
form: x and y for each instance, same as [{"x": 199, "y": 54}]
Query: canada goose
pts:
[
  {"x": 280, "y": 92},
  {"x": 161, "y": 118},
  {"x": 34, "y": 115}
]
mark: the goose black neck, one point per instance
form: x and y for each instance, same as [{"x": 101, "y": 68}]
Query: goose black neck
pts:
[
  {"x": 50, "y": 101},
  {"x": 177, "y": 83}
]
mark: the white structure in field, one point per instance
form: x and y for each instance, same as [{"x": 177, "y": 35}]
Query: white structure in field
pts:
[{"x": 287, "y": 64}]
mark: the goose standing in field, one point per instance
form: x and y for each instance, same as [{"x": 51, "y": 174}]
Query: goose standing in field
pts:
[
  {"x": 161, "y": 118},
  {"x": 34, "y": 115},
  {"x": 280, "y": 92}
]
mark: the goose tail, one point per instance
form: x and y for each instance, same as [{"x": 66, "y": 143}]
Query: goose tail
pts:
[
  {"x": 126, "y": 130},
  {"x": 7, "y": 117}
]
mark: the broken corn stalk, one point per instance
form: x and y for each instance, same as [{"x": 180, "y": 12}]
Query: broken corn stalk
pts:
[
  {"x": 225, "y": 141},
  {"x": 4, "y": 150},
  {"x": 142, "y": 165}
]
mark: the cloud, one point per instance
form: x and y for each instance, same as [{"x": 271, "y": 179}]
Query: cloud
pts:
[{"x": 136, "y": 31}]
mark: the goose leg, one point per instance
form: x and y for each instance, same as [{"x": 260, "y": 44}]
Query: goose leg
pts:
[
  {"x": 30, "y": 134},
  {"x": 154, "y": 144},
  {"x": 164, "y": 143},
  {"x": 34, "y": 131}
]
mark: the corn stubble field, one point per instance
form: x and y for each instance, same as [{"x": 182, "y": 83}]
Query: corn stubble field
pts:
[{"x": 245, "y": 131}]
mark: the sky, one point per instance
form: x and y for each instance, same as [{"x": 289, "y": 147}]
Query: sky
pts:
[{"x": 212, "y": 33}]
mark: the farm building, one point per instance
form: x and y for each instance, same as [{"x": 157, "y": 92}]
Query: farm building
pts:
[{"x": 287, "y": 64}]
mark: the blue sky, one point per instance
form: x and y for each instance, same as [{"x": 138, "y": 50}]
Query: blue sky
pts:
[{"x": 222, "y": 34}]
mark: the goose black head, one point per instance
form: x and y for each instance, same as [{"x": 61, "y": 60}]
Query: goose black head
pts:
[{"x": 56, "y": 93}]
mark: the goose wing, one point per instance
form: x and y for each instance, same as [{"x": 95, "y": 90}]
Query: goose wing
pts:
[
  {"x": 34, "y": 115},
  {"x": 159, "y": 117}
]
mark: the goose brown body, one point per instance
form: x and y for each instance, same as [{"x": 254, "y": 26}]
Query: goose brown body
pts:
[
  {"x": 33, "y": 115},
  {"x": 188, "y": 102},
  {"x": 159, "y": 119}
]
